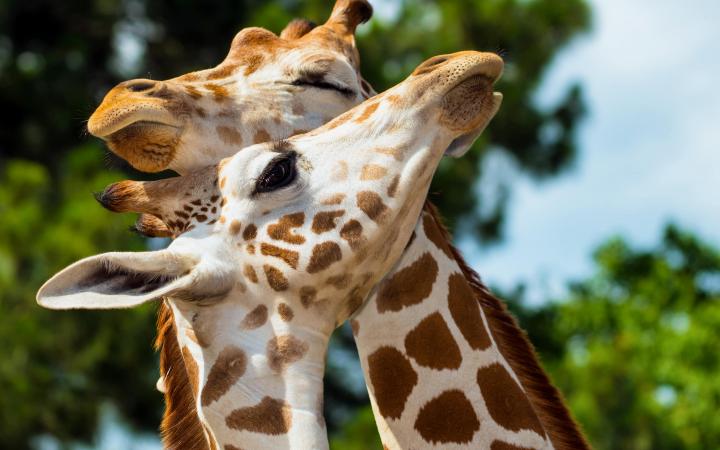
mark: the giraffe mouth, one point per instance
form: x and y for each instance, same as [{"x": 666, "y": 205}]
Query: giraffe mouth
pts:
[{"x": 148, "y": 146}]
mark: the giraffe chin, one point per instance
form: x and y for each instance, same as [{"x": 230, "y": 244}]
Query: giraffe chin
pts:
[
  {"x": 462, "y": 144},
  {"x": 147, "y": 146}
]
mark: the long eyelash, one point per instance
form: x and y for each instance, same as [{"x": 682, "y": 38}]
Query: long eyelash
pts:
[{"x": 317, "y": 79}]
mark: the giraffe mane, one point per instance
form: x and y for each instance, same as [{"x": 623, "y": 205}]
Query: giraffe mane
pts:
[
  {"x": 180, "y": 427},
  {"x": 545, "y": 398}
]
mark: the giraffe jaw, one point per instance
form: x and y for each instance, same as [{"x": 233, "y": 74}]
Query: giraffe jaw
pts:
[{"x": 462, "y": 144}]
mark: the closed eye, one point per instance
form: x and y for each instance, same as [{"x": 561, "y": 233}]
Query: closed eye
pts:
[{"x": 317, "y": 80}]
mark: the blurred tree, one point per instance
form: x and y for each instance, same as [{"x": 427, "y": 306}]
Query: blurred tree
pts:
[
  {"x": 634, "y": 347},
  {"x": 57, "y": 60}
]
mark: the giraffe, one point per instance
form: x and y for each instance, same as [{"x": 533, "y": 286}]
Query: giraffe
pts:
[
  {"x": 256, "y": 293},
  {"x": 309, "y": 76},
  {"x": 508, "y": 341}
]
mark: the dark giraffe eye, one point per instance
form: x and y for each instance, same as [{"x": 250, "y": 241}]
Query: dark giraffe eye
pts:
[{"x": 278, "y": 174}]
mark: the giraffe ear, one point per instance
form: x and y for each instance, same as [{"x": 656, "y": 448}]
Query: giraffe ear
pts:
[
  {"x": 118, "y": 280},
  {"x": 347, "y": 15}
]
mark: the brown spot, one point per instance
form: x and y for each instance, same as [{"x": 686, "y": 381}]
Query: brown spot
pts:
[
  {"x": 222, "y": 71},
  {"x": 394, "y": 152},
  {"x": 339, "y": 281},
  {"x": 409, "y": 286},
  {"x": 231, "y": 447},
  {"x": 334, "y": 199},
  {"x": 270, "y": 416},
  {"x": 261, "y": 136},
  {"x": 447, "y": 418},
  {"x": 252, "y": 63},
  {"x": 228, "y": 368},
  {"x": 192, "y": 370},
  {"x": 432, "y": 345},
  {"x": 229, "y": 135},
  {"x": 323, "y": 255},
  {"x": 372, "y": 172},
  {"x": 392, "y": 378},
  {"x": 325, "y": 220},
  {"x": 285, "y": 350},
  {"x": 433, "y": 232},
  {"x": 465, "y": 311},
  {"x": 222, "y": 219},
  {"x": 235, "y": 227},
  {"x": 275, "y": 278},
  {"x": 286, "y": 312},
  {"x": 507, "y": 404},
  {"x": 250, "y": 232},
  {"x": 250, "y": 274},
  {"x": 500, "y": 445},
  {"x": 367, "y": 112},
  {"x": 355, "y": 326},
  {"x": 193, "y": 92},
  {"x": 392, "y": 188},
  {"x": 289, "y": 256},
  {"x": 223, "y": 180},
  {"x": 352, "y": 233},
  {"x": 340, "y": 172},
  {"x": 307, "y": 295},
  {"x": 372, "y": 205},
  {"x": 282, "y": 230},
  {"x": 255, "y": 318},
  {"x": 201, "y": 217},
  {"x": 219, "y": 93}
]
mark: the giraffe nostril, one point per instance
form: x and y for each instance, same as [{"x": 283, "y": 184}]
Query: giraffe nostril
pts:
[{"x": 140, "y": 85}]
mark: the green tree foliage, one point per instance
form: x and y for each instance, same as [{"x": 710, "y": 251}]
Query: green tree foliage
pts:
[
  {"x": 57, "y": 60},
  {"x": 635, "y": 347}
]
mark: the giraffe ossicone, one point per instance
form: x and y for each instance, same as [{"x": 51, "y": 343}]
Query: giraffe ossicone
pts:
[{"x": 257, "y": 291}]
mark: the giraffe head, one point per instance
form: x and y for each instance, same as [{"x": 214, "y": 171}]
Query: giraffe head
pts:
[
  {"x": 302, "y": 230},
  {"x": 268, "y": 87}
]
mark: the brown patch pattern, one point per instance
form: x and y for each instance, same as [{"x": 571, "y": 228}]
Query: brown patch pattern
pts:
[
  {"x": 335, "y": 199},
  {"x": 261, "y": 136},
  {"x": 307, "y": 295},
  {"x": 250, "y": 274},
  {"x": 465, "y": 311},
  {"x": 275, "y": 278},
  {"x": 367, "y": 112},
  {"x": 285, "y": 311},
  {"x": 352, "y": 233},
  {"x": 255, "y": 318},
  {"x": 235, "y": 227},
  {"x": 325, "y": 220},
  {"x": 392, "y": 188},
  {"x": 409, "y": 286},
  {"x": 270, "y": 416},
  {"x": 250, "y": 232},
  {"x": 392, "y": 378},
  {"x": 192, "y": 370},
  {"x": 324, "y": 255},
  {"x": 372, "y": 172},
  {"x": 432, "y": 345},
  {"x": 291, "y": 257},
  {"x": 228, "y": 368},
  {"x": 285, "y": 350},
  {"x": 229, "y": 135},
  {"x": 447, "y": 418},
  {"x": 506, "y": 402},
  {"x": 372, "y": 204},
  {"x": 282, "y": 230}
]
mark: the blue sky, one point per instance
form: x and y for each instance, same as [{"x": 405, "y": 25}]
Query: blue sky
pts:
[{"x": 649, "y": 150}]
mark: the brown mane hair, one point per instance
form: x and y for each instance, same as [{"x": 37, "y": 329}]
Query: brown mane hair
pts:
[
  {"x": 515, "y": 346},
  {"x": 181, "y": 428}
]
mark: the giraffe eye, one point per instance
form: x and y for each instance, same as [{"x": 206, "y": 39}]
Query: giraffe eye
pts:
[
  {"x": 278, "y": 174},
  {"x": 317, "y": 80}
]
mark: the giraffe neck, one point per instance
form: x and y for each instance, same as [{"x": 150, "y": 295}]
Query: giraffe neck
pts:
[
  {"x": 256, "y": 385},
  {"x": 445, "y": 363}
]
